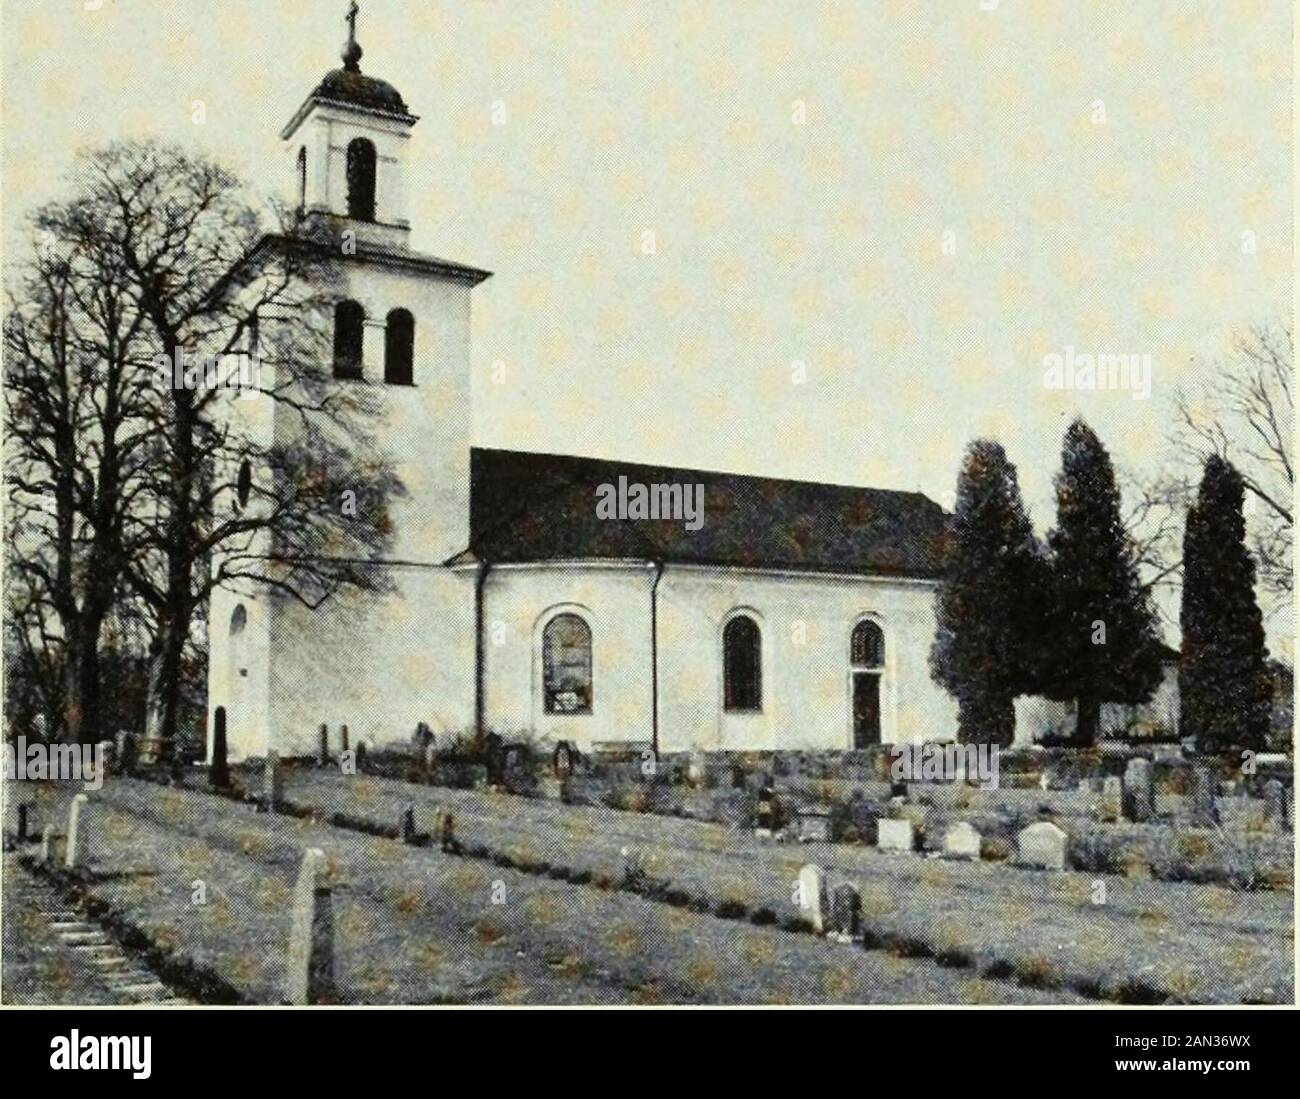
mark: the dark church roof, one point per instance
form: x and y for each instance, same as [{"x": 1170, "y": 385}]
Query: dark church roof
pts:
[
  {"x": 541, "y": 507},
  {"x": 352, "y": 88}
]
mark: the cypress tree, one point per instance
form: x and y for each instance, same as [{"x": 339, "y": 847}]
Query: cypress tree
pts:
[
  {"x": 1104, "y": 645},
  {"x": 985, "y": 604},
  {"x": 1222, "y": 678}
]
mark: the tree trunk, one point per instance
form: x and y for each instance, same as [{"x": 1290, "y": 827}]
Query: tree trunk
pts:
[
  {"x": 81, "y": 716},
  {"x": 163, "y": 703}
]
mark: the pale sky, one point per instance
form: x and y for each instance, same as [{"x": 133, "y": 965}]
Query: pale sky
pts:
[{"x": 776, "y": 242}]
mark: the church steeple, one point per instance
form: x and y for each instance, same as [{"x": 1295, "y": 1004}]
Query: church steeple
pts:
[{"x": 348, "y": 148}]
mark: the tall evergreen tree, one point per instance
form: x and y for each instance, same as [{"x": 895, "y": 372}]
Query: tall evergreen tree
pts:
[
  {"x": 1104, "y": 645},
  {"x": 986, "y": 603},
  {"x": 1222, "y": 679}
]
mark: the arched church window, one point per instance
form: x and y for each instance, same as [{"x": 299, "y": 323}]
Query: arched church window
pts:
[
  {"x": 867, "y": 646},
  {"x": 566, "y": 665},
  {"x": 361, "y": 179},
  {"x": 238, "y": 649},
  {"x": 302, "y": 179},
  {"x": 349, "y": 335},
  {"x": 742, "y": 665},
  {"x": 399, "y": 348}
]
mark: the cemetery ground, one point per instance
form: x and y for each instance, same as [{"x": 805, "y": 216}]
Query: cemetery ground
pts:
[{"x": 554, "y": 903}]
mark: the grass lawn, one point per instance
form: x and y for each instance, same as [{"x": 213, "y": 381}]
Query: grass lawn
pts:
[
  {"x": 415, "y": 926},
  {"x": 1190, "y": 943}
]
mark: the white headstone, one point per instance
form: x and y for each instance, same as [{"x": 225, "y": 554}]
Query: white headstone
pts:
[
  {"x": 75, "y": 826},
  {"x": 961, "y": 841},
  {"x": 311, "y": 947},
  {"x": 1043, "y": 845},
  {"x": 47, "y": 843},
  {"x": 812, "y": 896},
  {"x": 894, "y": 835}
]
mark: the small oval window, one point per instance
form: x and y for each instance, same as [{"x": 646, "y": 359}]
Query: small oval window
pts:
[{"x": 245, "y": 483}]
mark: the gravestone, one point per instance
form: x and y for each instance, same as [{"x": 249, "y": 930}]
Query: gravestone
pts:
[
  {"x": 493, "y": 757},
  {"x": 697, "y": 768},
  {"x": 562, "y": 760},
  {"x": 961, "y": 841},
  {"x": 219, "y": 768},
  {"x": 846, "y": 913},
  {"x": 407, "y": 829},
  {"x": 447, "y": 834},
  {"x": 125, "y": 751},
  {"x": 1112, "y": 798},
  {"x": 1204, "y": 791},
  {"x": 324, "y": 752},
  {"x": 343, "y": 738},
  {"x": 1275, "y": 801},
  {"x": 1043, "y": 845},
  {"x": 272, "y": 782},
  {"x": 812, "y": 896},
  {"x": 23, "y": 808},
  {"x": 894, "y": 835},
  {"x": 311, "y": 936},
  {"x": 76, "y": 826},
  {"x": 815, "y": 824},
  {"x": 1138, "y": 792},
  {"x": 47, "y": 844}
]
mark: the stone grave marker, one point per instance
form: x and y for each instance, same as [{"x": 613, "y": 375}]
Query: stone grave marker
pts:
[
  {"x": 311, "y": 937},
  {"x": 812, "y": 896},
  {"x": 407, "y": 829},
  {"x": 219, "y": 767},
  {"x": 324, "y": 750},
  {"x": 343, "y": 738},
  {"x": 1275, "y": 802},
  {"x": 1138, "y": 790},
  {"x": 272, "y": 782},
  {"x": 47, "y": 844},
  {"x": 1043, "y": 845},
  {"x": 697, "y": 768},
  {"x": 814, "y": 824},
  {"x": 961, "y": 841},
  {"x": 1204, "y": 790},
  {"x": 1112, "y": 797},
  {"x": 562, "y": 760},
  {"x": 76, "y": 825},
  {"x": 894, "y": 835},
  {"x": 846, "y": 913}
]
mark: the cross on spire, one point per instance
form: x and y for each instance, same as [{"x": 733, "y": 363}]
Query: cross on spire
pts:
[{"x": 352, "y": 50}]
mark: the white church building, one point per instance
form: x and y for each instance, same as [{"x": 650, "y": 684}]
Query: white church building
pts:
[{"x": 797, "y": 615}]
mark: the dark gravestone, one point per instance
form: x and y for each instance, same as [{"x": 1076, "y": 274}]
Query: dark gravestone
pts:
[
  {"x": 343, "y": 738},
  {"x": 408, "y": 823},
  {"x": 126, "y": 753},
  {"x": 493, "y": 757},
  {"x": 563, "y": 759},
  {"x": 846, "y": 912},
  {"x": 23, "y": 807},
  {"x": 1204, "y": 790},
  {"x": 765, "y": 811},
  {"x": 219, "y": 768},
  {"x": 447, "y": 834},
  {"x": 324, "y": 745}
]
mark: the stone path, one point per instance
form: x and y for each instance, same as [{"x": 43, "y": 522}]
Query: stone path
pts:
[{"x": 54, "y": 954}]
